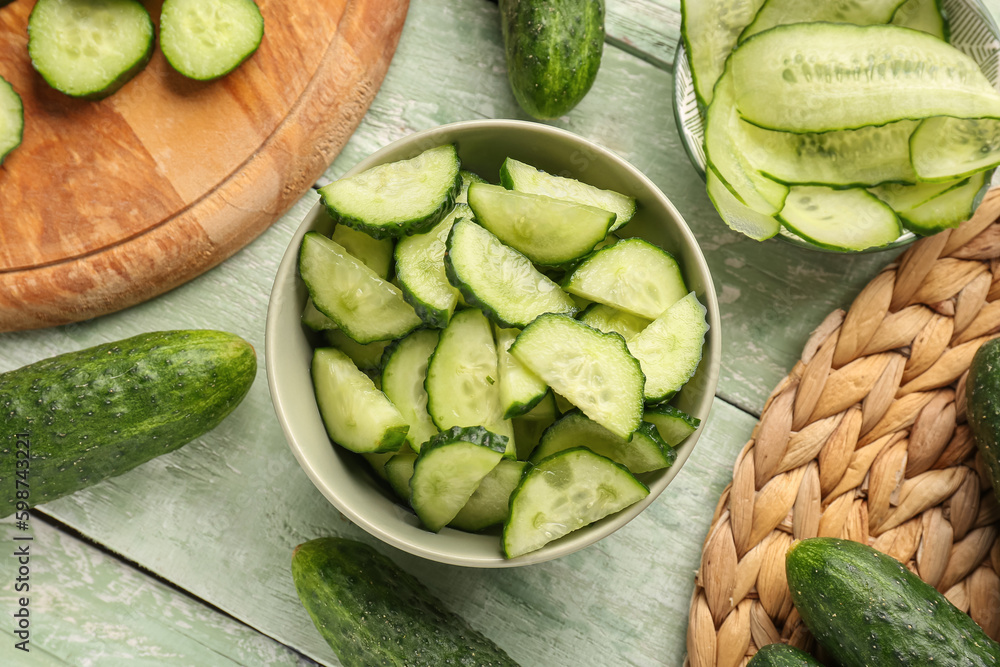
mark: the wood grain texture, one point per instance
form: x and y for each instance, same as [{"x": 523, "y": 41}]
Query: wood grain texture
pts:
[{"x": 109, "y": 203}]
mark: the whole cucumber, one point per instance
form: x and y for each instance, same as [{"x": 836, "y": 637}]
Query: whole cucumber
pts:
[
  {"x": 372, "y": 612},
  {"x": 73, "y": 420},
  {"x": 867, "y": 610},
  {"x": 782, "y": 655},
  {"x": 553, "y": 50},
  {"x": 982, "y": 393}
]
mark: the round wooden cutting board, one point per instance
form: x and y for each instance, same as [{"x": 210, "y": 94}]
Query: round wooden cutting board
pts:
[{"x": 106, "y": 204}]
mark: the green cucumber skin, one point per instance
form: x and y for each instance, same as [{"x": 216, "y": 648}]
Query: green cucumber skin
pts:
[
  {"x": 553, "y": 50},
  {"x": 982, "y": 392},
  {"x": 372, "y": 612},
  {"x": 782, "y": 655},
  {"x": 99, "y": 412},
  {"x": 867, "y": 610}
]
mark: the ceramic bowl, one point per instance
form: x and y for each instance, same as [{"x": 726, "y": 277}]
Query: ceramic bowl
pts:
[
  {"x": 345, "y": 478},
  {"x": 972, "y": 31}
]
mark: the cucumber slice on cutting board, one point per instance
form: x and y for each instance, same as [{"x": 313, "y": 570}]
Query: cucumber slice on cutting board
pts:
[
  {"x": 815, "y": 77},
  {"x": 206, "y": 40},
  {"x": 11, "y": 119},
  {"x": 89, "y": 49},
  {"x": 567, "y": 491}
]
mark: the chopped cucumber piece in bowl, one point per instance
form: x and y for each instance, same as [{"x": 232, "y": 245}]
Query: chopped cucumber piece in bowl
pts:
[
  {"x": 484, "y": 349},
  {"x": 792, "y": 107}
]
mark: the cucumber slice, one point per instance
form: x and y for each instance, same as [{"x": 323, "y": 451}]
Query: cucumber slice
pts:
[
  {"x": 315, "y": 320},
  {"x": 404, "y": 369},
  {"x": 643, "y": 452},
  {"x": 673, "y": 424},
  {"x": 89, "y": 49},
  {"x": 738, "y": 216},
  {"x": 780, "y": 12},
  {"x": 670, "y": 348},
  {"x": 866, "y": 156},
  {"x": 520, "y": 389},
  {"x": 565, "y": 492},
  {"x": 374, "y": 253},
  {"x": 206, "y": 40},
  {"x": 497, "y": 279},
  {"x": 364, "y": 306},
  {"x": 949, "y": 209},
  {"x": 489, "y": 505},
  {"x": 594, "y": 370},
  {"x": 728, "y": 149},
  {"x": 943, "y": 149},
  {"x": 366, "y": 356},
  {"x": 398, "y": 198},
  {"x": 547, "y": 231},
  {"x": 814, "y": 77},
  {"x": 448, "y": 470},
  {"x": 528, "y": 428},
  {"x": 468, "y": 178},
  {"x": 398, "y": 471},
  {"x": 462, "y": 377},
  {"x": 852, "y": 219},
  {"x": 421, "y": 273},
  {"x": 607, "y": 319},
  {"x": 516, "y": 175},
  {"x": 632, "y": 275},
  {"x": 924, "y": 15},
  {"x": 710, "y": 29},
  {"x": 357, "y": 416},
  {"x": 11, "y": 119},
  {"x": 903, "y": 196}
]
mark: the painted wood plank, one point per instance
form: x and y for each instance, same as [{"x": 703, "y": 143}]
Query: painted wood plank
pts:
[{"x": 86, "y": 607}]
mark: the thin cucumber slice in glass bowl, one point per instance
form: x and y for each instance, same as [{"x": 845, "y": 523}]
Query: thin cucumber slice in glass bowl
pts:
[
  {"x": 207, "y": 40},
  {"x": 969, "y": 28},
  {"x": 89, "y": 49}
]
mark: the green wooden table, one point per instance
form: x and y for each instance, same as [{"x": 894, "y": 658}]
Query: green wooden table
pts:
[{"x": 185, "y": 560}]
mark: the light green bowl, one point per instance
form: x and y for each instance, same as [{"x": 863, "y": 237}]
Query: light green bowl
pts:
[{"x": 345, "y": 478}]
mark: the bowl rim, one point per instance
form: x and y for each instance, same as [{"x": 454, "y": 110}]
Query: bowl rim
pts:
[{"x": 287, "y": 282}]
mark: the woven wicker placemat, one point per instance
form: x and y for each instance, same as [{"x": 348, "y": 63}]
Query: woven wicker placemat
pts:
[{"x": 866, "y": 439}]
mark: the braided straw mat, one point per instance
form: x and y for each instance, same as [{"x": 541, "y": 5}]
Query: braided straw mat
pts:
[{"x": 866, "y": 439}]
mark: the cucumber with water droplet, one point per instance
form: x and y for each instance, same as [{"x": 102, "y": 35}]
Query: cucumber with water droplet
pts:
[{"x": 73, "y": 420}]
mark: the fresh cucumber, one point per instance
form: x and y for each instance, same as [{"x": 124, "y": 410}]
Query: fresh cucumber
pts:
[
  {"x": 547, "y": 231},
  {"x": 781, "y": 12},
  {"x": 669, "y": 350},
  {"x": 462, "y": 387},
  {"x": 516, "y": 175},
  {"x": 366, "y": 356},
  {"x": 553, "y": 52},
  {"x": 632, "y": 275},
  {"x": 374, "y": 253},
  {"x": 906, "y": 196},
  {"x": 468, "y": 178},
  {"x": 11, "y": 119},
  {"x": 942, "y": 149},
  {"x": 851, "y": 219},
  {"x": 404, "y": 370},
  {"x": 76, "y": 419},
  {"x": 782, "y": 655},
  {"x": 398, "y": 198},
  {"x": 710, "y": 30},
  {"x": 357, "y": 415},
  {"x": 315, "y": 320},
  {"x": 206, "y": 40},
  {"x": 948, "y": 209},
  {"x": 528, "y": 428},
  {"x": 982, "y": 392},
  {"x": 865, "y": 608},
  {"x": 737, "y": 215},
  {"x": 520, "y": 389},
  {"x": 363, "y": 305},
  {"x": 502, "y": 282},
  {"x": 89, "y": 49},
  {"x": 594, "y": 370},
  {"x": 398, "y": 470},
  {"x": 489, "y": 505},
  {"x": 564, "y": 492},
  {"x": 916, "y": 75},
  {"x": 643, "y": 452},
  {"x": 607, "y": 319},
  {"x": 449, "y": 468},
  {"x": 421, "y": 273},
  {"x": 673, "y": 424},
  {"x": 372, "y": 612}
]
